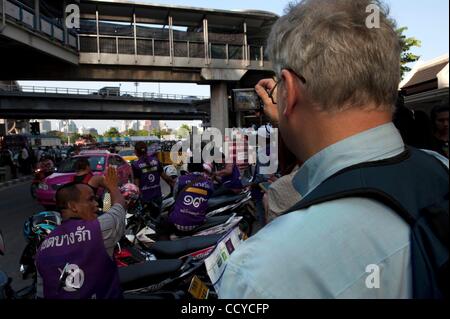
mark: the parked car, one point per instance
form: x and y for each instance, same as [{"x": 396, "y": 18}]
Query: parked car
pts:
[
  {"x": 128, "y": 155},
  {"x": 99, "y": 161}
]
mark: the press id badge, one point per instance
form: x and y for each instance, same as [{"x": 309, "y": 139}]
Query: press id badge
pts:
[{"x": 198, "y": 289}]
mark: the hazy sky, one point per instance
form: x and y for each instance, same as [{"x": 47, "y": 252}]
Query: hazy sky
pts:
[{"x": 427, "y": 21}]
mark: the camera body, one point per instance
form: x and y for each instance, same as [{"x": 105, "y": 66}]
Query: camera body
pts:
[{"x": 246, "y": 100}]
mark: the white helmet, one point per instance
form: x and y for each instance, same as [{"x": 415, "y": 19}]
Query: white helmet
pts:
[
  {"x": 171, "y": 171},
  {"x": 208, "y": 167}
]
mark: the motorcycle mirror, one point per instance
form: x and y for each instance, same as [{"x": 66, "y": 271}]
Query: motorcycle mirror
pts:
[{"x": 2, "y": 244}]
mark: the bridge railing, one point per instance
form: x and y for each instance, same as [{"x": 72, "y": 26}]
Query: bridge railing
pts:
[
  {"x": 153, "y": 47},
  {"x": 104, "y": 93},
  {"x": 26, "y": 16}
]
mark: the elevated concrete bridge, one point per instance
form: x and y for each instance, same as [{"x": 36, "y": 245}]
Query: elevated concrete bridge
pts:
[
  {"x": 121, "y": 40},
  {"x": 65, "y": 103}
]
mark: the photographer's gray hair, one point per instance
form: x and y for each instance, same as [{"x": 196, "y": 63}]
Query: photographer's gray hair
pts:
[{"x": 330, "y": 45}]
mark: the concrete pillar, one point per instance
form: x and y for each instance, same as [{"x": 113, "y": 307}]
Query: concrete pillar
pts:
[
  {"x": 98, "y": 35},
  {"x": 4, "y": 127},
  {"x": 219, "y": 106},
  {"x": 238, "y": 119},
  {"x": 37, "y": 15},
  {"x": 66, "y": 34}
]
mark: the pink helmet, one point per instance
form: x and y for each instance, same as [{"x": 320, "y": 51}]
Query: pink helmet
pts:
[{"x": 130, "y": 192}]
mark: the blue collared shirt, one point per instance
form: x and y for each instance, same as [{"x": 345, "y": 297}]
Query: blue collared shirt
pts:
[{"x": 344, "y": 248}]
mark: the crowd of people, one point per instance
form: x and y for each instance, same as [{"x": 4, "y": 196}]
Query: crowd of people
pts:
[{"x": 24, "y": 159}]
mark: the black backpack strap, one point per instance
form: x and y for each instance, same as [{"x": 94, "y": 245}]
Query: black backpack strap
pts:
[
  {"x": 371, "y": 193},
  {"x": 318, "y": 196},
  {"x": 346, "y": 188},
  {"x": 413, "y": 184}
]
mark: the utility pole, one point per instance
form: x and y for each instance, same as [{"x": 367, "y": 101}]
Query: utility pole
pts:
[
  {"x": 66, "y": 130},
  {"x": 6, "y": 126}
]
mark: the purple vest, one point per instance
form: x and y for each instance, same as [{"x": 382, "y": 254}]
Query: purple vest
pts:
[
  {"x": 147, "y": 170},
  {"x": 233, "y": 181},
  {"x": 191, "y": 204},
  {"x": 90, "y": 273}
]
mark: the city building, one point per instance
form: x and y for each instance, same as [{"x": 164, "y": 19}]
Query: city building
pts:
[
  {"x": 427, "y": 84},
  {"x": 72, "y": 127},
  {"x": 61, "y": 125},
  {"x": 45, "y": 126},
  {"x": 126, "y": 125},
  {"x": 136, "y": 125},
  {"x": 163, "y": 125},
  {"x": 151, "y": 125}
]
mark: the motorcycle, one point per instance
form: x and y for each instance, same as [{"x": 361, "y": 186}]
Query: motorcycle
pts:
[
  {"x": 189, "y": 277},
  {"x": 38, "y": 176},
  {"x": 141, "y": 228},
  {"x": 36, "y": 228},
  {"x": 6, "y": 291},
  {"x": 164, "y": 270},
  {"x": 241, "y": 205},
  {"x": 160, "y": 279}
]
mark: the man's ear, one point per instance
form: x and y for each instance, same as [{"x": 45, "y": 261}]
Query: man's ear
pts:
[
  {"x": 291, "y": 91},
  {"x": 71, "y": 205}
]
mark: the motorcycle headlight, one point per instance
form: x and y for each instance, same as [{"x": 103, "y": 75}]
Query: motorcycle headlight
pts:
[{"x": 43, "y": 186}]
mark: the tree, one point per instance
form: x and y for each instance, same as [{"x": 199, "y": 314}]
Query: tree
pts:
[
  {"x": 89, "y": 138},
  {"x": 155, "y": 132},
  {"x": 55, "y": 134},
  {"x": 183, "y": 131},
  {"x": 407, "y": 56},
  {"x": 94, "y": 133},
  {"x": 65, "y": 137},
  {"x": 166, "y": 131},
  {"x": 75, "y": 136},
  {"x": 59, "y": 135},
  {"x": 112, "y": 132},
  {"x": 131, "y": 132},
  {"x": 142, "y": 133},
  {"x": 186, "y": 127}
]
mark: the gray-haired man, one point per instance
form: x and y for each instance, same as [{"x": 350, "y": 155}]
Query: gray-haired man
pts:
[{"x": 334, "y": 96}]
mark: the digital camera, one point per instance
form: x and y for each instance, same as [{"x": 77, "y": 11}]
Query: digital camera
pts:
[{"x": 246, "y": 100}]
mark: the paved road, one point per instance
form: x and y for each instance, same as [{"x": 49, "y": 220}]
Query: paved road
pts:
[{"x": 16, "y": 205}]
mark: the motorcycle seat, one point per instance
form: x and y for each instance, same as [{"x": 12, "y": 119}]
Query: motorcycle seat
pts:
[
  {"x": 148, "y": 273},
  {"x": 180, "y": 247},
  {"x": 220, "y": 201},
  {"x": 210, "y": 222}
]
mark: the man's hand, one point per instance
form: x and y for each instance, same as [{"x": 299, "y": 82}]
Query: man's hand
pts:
[
  {"x": 168, "y": 179},
  {"x": 214, "y": 177},
  {"x": 111, "y": 178},
  {"x": 262, "y": 89},
  {"x": 112, "y": 184}
]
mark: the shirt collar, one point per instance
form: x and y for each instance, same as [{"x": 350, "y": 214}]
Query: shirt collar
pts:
[{"x": 375, "y": 144}]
